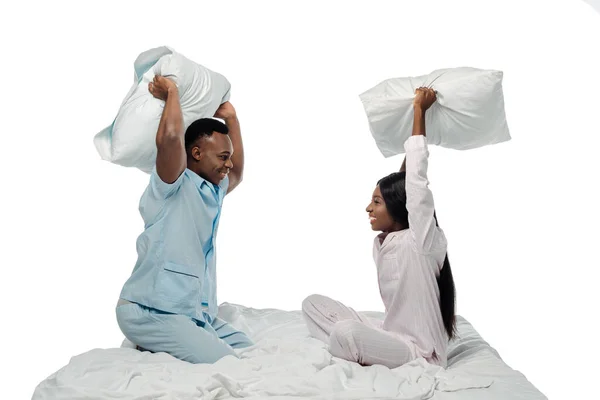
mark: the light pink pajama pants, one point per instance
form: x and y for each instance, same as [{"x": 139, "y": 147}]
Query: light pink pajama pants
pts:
[{"x": 352, "y": 336}]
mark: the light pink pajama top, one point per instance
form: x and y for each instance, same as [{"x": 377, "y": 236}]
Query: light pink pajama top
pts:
[{"x": 409, "y": 261}]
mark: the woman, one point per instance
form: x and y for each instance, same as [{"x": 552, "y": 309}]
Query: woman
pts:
[{"x": 414, "y": 275}]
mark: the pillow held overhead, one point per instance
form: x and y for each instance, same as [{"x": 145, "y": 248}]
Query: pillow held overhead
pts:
[
  {"x": 469, "y": 111},
  {"x": 130, "y": 141}
]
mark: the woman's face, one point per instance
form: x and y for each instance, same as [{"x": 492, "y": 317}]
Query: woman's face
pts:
[{"x": 379, "y": 217}]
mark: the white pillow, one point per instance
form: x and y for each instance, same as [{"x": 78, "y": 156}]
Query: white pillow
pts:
[
  {"x": 131, "y": 139},
  {"x": 469, "y": 111}
]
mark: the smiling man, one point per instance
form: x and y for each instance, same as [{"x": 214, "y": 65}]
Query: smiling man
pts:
[{"x": 169, "y": 304}]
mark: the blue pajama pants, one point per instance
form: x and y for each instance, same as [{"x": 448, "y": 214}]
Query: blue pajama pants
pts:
[{"x": 178, "y": 335}]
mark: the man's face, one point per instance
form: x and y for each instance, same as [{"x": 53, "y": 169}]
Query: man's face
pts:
[{"x": 213, "y": 154}]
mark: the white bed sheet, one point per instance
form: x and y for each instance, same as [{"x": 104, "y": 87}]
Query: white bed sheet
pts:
[{"x": 286, "y": 363}]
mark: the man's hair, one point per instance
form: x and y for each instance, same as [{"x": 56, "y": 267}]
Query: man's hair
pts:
[{"x": 203, "y": 127}]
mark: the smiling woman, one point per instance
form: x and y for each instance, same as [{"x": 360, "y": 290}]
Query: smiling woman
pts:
[
  {"x": 415, "y": 280},
  {"x": 379, "y": 215}
]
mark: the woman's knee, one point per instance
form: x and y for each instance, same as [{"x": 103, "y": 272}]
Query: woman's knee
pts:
[
  {"x": 343, "y": 340},
  {"x": 317, "y": 302},
  {"x": 309, "y": 304}
]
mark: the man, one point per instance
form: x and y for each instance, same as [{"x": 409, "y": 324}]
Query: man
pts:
[{"x": 169, "y": 303}]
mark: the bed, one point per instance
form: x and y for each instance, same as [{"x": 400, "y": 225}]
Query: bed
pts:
[{"x": 286, "y": 363}]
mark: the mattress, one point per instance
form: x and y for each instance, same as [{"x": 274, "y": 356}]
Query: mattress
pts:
[{"x": 286, "y": 363}]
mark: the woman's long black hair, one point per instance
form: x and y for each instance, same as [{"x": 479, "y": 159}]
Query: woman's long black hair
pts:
[{"x": 393, "y": 190}]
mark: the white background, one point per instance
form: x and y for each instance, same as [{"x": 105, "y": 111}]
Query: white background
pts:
[{"x": 521, "y": 217}]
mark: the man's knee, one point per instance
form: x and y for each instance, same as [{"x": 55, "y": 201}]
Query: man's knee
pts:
[
  {"x": 240, "y": 341},
  {"x": 128, "y": 323}
]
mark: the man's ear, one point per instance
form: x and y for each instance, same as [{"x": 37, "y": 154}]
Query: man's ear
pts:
[{"x": 196, "y": 153}]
